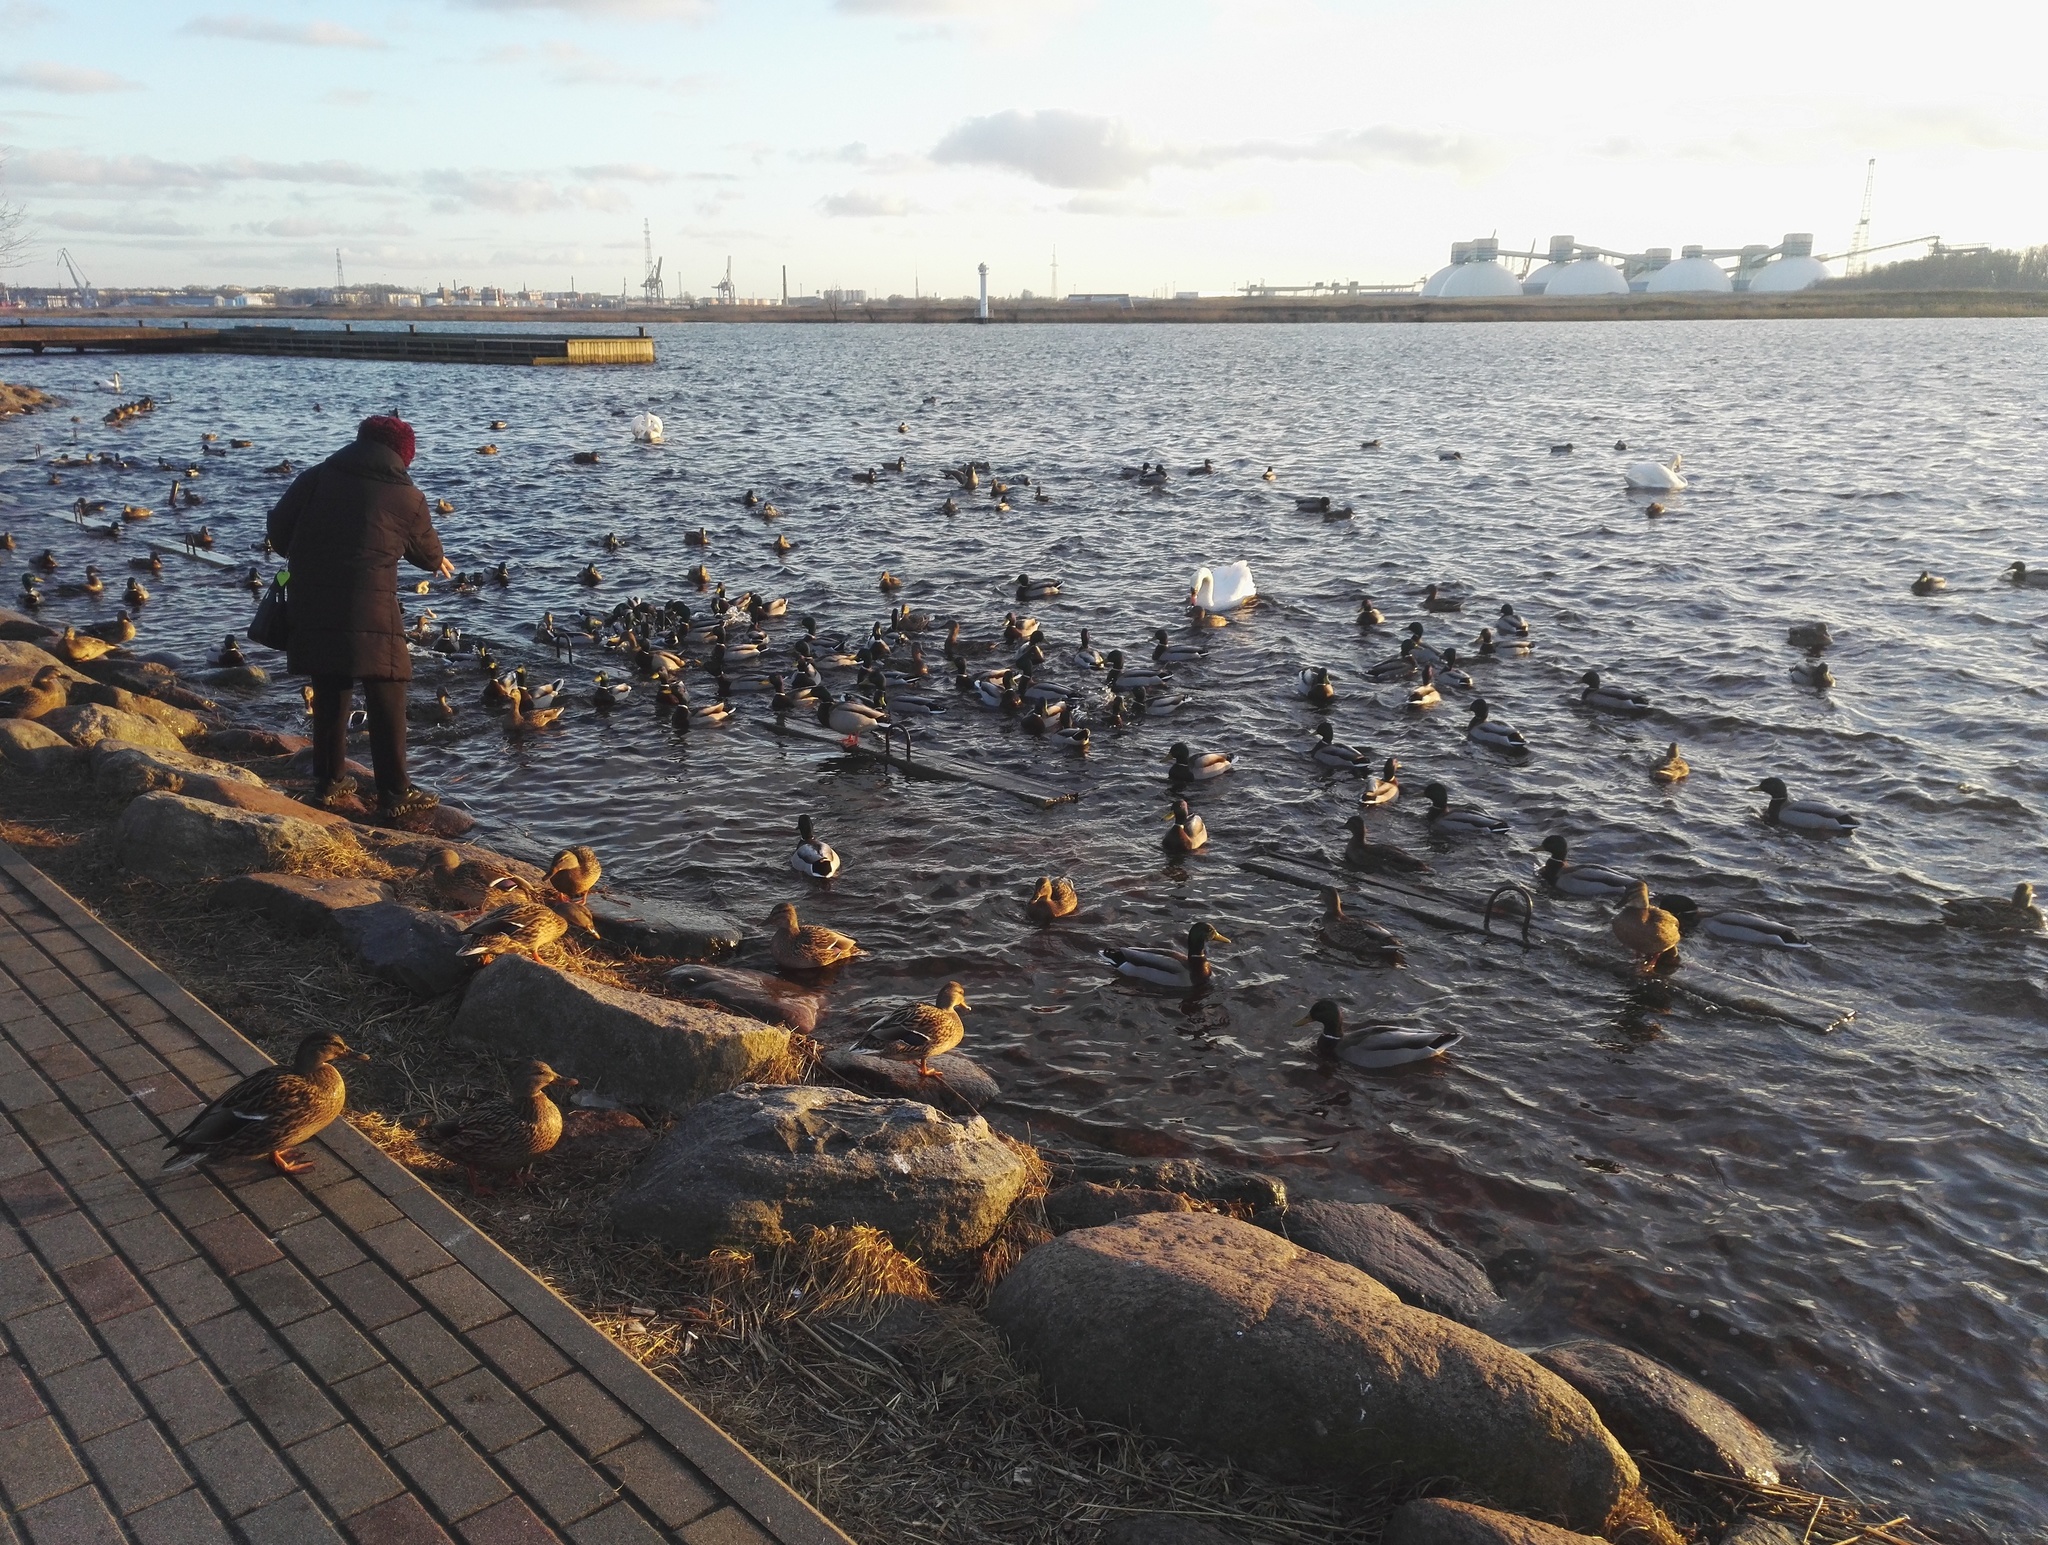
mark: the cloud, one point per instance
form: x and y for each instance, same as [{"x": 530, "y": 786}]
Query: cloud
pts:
[
  {"x": 124, "y": 225},
  {"x": 77, "y": 169},
  {"x": 916, "y": 9},
  {"x": 20, "y": 13},
  {"x": 567, "y": 64},
  {"x": 645, "y": 10},
  {"x": 67, "y": 79},
  {"x": 341, "y": 96},
  {"x": 1934, "y": 126},
  {"x": 1080, "y": 150},
  {"x": 255, "y": 29},
  {"x": 622, "y": 171},
  {"x": 452, "y": 191},
  {"x": 864, "y": 206},
  {"x": 1116, "y": 206},
  {"x": 302, "y": 227}
]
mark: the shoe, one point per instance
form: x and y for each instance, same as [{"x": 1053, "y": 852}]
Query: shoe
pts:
[
  {"x": 332, "y": 796},
  {"x": 412, "y": 802}
]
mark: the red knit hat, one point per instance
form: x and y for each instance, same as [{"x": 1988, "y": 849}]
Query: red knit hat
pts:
[{"x": 391, "y": 430}]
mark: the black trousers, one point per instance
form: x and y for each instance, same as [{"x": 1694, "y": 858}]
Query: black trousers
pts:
[{"x": 385, "y": 703}]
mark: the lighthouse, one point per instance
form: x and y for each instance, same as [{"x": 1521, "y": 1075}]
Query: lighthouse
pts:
[{"x": 981, "y": 311}]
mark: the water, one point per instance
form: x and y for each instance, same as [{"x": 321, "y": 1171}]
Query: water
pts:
[{"x": 1842, "y": 1233}]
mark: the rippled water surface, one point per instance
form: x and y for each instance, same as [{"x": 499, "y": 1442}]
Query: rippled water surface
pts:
[{"x": 1842, "y": 1232}]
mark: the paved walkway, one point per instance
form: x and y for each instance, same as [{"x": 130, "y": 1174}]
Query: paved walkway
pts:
[{"x": 232, "y": 1354}]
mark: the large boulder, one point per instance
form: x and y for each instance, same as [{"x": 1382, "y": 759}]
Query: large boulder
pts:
[
  {"x": 1083, "y": 1204},
  {"x": 87, "y": 724},
  {"x": 20, "y": 659},
  {"x": 19, "y": 627},
  {"x": 960, "y": 1085},
  {"x": 179, "y": 721},
  {"x": 172, "y": 838},
  {"x": 1438, "y": 1521},
  {"x": 753, "y": 993},
  {"x": 675, "y": 929},
  {"x": 410, "y": 948},
  {"x": 1657, "y": 1411},
  {"x": 1395, "y": 1252},
  {"x": 122, "y": 771},
  {"x": 758, "y": 1166},
  {"x": 34, "y": 748},
  {"x": 1230, "y": 1339},
  {"x": 629, "y": 1045},
  {"x": 302, "y": 903}
]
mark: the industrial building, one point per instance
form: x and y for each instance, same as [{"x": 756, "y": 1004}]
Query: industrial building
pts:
[{"x": 1481, "y": 270}]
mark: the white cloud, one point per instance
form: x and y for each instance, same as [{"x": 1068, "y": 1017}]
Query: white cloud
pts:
[
  {"x": 124, "y": 225},
  {"x": 646, "y": 10},
  {"x": 623, "y": 171},
  {"x": 256, "y": 29},
  {"x": 342, "y": 96},
  {"x": 78, "y": 169},
  {"x": 864, "y": 206},
  {"x": 452, "y": 191},
  {"x": 70, "y": 80}
]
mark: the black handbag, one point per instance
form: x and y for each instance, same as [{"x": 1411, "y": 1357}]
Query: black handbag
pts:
[{"x": 272, "y": 625}]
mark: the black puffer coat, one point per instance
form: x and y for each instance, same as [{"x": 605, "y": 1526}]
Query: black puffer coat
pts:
[{"x": 342, "y": 527}]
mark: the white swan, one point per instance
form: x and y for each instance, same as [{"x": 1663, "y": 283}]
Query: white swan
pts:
[
  {"x": 111, "y": 384},
  {"x": 647, "y": 429},
  {"x": 1654, "y": 477},
  {"x": 1222, "y": 589}
]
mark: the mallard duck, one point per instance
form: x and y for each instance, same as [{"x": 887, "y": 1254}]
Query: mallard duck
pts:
[
  {"x": 698, "y": 538},
  {"x": 800, "y": 948},
  {"x": 1353, "y": 934},
  {"x": 2031, "y": 578},
  {"x": 1995, "y": 914},
  {"x": 47, "y": 562},
  {"x": 464, "y": 883},
  {"x": 1324, "y": 749},
  {"x": 1185, "y": 832},
  {"x": 1169, "y": 968},
  {"x": 889, "y": 583},
  {"x": 1052, "y": 898},
  {"x": 1374, "y": 1046},
  {"x": 117, "y": 629},
  {"x": 78, "y": 648},
  {"x": 92, "y": 584},
  {"x": 1813, "y": 673},
  {"x": 46, "y": 693},
  {"x": 1672, "y": 768},
  {"x": 1649, "y": 932},
  {"x": 1424, "y": 693},
  {"x": 1384, "y": 789},
  {"x": 1611, "y": 699},
  {"x": 1192, "y": 767},
  {"x": 1029, "y": 589},
  {"x": 1122, "y": 676},
  {"x": 605, "y": 694},
  {"x": 136, "y": 595},
  {"x": 1450, "y": 673},
  {"x": 525, "y": 925},
  {"x": 591, "y": 575},
  {"x": 1734, "y": 927},
  {"x": 1361, "y": 852},
  {"x": 1508, "y": 623},
  {"x": 1166, "y": 653},
  {"x": 522, "y": 717},
  {"x": 1928, "y": 584},
  {"x": 1809, "y": 635},
  {"x": 1571, "y": 879},
  {"x": 781, "y": 544},
  {"x": 1313, "y": 685},
  {"x": 575, "y": 872},
  {"x": 1369, "y": 615},
  {"x": 1433, "y": 600},
  {"x": 918, "y": 1032},
  {"x": 813, "y": 857},
  {"x": 1420, "y": 652},
  {"x": 1400, "y": 667},
  {"x": 851, "y": 716},
  {"x": 444, "y": 506},
  {"x": 1447, "y": 822},
  {"x": 230, "y": 655},
  {"x": 1494, "y": 734},
  {"x": 1269, "y": 475},
  {"x": 1805, "y": 814},
  {"x": 271, "y": 1111},
  {"x": 504, "y": 1136}
]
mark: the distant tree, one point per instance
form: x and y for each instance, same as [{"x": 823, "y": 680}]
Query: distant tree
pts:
[
  {"x": 14, "y": 235},
  {"x": 1999, "y": 269}
]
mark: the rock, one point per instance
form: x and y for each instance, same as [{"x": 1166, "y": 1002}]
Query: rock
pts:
[
  {"x": 1657, "y": 1411},
  {"x": 1191, "y": 1177},
  {"x": 757, "y": 1166},
  {"x": 672, "y": 928},
  {"x": 1166, "y": 1529},
  {"x": 87, "y": 724},
  {"x": 1395, "y": 1252},
  {"x": 1084, "y": 1204},
  {"x": 121, "y": 770},
  {"x": 145, "y": 678},
  {"x": 300, "y": 766},
  {"x": 18, "y": 627},
  {"x": 1437, "y": 1521},
  {"x": 753, "y": 993},
  {"x": 172, "y": 838},
  {"x": 180, "y": 722},
  {"x": 1759, "y": 1531},
  {"x": 239, "y": 678},
  {"x": 443, "y": 822},
  {"x": 36, "y": 749},
  {"x": 406, "y": 946},
  {"x": 260, "y": 799},
  {"x": 602, "y": 1139},
  {"x": 301, "y": 903},
  {"x": 962, "y": 1087},
  {"x": 629, "y": 1045},
  {"x": 1234, "y": 1341},
  {"x": 234, "y": 740},
  {"x": 26, "y": 658}
]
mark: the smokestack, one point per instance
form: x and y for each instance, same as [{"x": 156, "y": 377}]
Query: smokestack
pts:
[{"x": 981, "y": 315}]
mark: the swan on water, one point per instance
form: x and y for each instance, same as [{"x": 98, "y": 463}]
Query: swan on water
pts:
[
  {"x": 1223, "y": 588},
  {"x": 647, "y": 429},
  {"x": 111, "y": 384},
  {"x": 1654, "y": 477}
]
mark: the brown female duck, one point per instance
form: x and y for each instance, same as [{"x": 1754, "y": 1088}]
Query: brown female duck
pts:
[
  {"x": 503, "y": 1137},
  {"x": 272, "y": 1111},
  {"x": 918, "y": 1032}
]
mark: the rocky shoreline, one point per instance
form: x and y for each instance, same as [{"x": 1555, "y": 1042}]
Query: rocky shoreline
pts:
[
  {"x": 1328, "y": 1364},
  {"x": 23, "y": 399}
]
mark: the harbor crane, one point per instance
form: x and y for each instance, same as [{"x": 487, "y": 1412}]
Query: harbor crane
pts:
[
  {"x": 1859, "y": 244},
  {"x": 651, "y": 287},
  {"x": 81, "y": 286}
]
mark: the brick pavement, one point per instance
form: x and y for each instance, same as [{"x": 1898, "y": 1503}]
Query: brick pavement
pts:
[{"x": 230, "y": 1354}]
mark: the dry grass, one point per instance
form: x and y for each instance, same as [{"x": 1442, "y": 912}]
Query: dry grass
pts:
[{"x": 1815, "y": 1518}]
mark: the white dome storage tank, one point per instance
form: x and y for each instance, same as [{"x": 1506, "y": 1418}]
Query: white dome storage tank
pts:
[
  {"x": 1693, "y": 274},
  {"x": 1461, "y": 252},
  {"x": 1539, "y": 280},
  {"x": 1482, "y": 277},
  {"x": 1786, "y": 275},
  {"x": 1587, "y": 276}
]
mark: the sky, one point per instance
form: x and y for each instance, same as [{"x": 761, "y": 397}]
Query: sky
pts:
[{"x": 892, "y": 145}]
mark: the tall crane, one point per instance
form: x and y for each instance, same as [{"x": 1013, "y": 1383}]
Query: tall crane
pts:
[
  {"x": 650, "y": 281},
  {"x": 727, "y": 295},
  {"x": 1859, "y": 247},
  {"x": 80, "y": 285}
]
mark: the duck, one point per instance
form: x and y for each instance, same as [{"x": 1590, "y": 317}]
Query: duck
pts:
[
  {"x": 77, "y": 648},
  {"x": 1122, "y": 675},
  {"x": 1494, "y": 734},
  {"x": 1312, "y": 684},
  {"x": 117, "y": 629},
  {"x": 1421, "y": 653},
  {"x": 1656, "y": 477},
  {"x": 92, "y": 584},
  {"x": 1451, "y": 674},
  {"x": 1433, "y": 600},
  {"x": 1400, "y": 667},
  {"x": 872, "y": 475},
  {"x": 1326, "y": 750},
  {"x": 1611, "y": 699},
  {"x": 1194, "y": 767},
  {"x": 1509, "y": 623},
  {"x": 701, "y": 537},
  {"x": 591, "y": 575},
  {"x": 136, "y": 595},
  {"x": 1222, "y": 588},
  {"x": 1029, "y": 589},
  {"x": 45, "y": 694},
  {"x": 575, "y": 872},
  {"x": 813, "y": 857},
  {"x": 1649, "y": 932},
  {"x": 439, "y": 711},
  {"x": 1424, "y": 693},
  {"x": 271, "y": 1111},
  {"x": 1085, "y": 655},
  {"x": 1734, "y": 927},
  {"x": 1052, "y": 898},
  {"x": 1673, "y": 767},
  {"x": 1354, "y": 935},
  {"x": 2027, "y": 578},
  {"x": 504, "y": 1137},
  {"x": 526, "y": 924},
  {"x": 1361, "y": 852},
  {"x": 1166, "y": 653},
  {"x": 1448, "y": 822},
  {"x": 1813, "y": 636},
  {"x": 1186, "y": 972},
  {"x": 1186, "y": 832},
  {"x": 1377, "y": 1045},
  {"x": 523, "y": 716},
  {"x": 47, "y": 561},
  {"x": 1812, "y": 673},
  {"x": 798, "y": 947},
  {"x": 1995, "y": 914},
  {"x": 1369, "y": 615},
  {"x": 1804, "y": 814},
  {"x": 1928, "y": 584},
  {"x": 606, "y": 694},
  {"x": 1569, "y": 879},
  {"x": 444, "y": 506},
  {"x": 1269, "y": 475},
  {"x": 851, "y": 716},
  {"x": 918, "y": 1032}
]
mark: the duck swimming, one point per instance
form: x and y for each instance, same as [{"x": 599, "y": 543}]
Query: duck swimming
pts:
[
  {"x": 1384, "y": 789},
  {"x": 1324, "y": 749},
  {"x": 1185, "y": 831},
  {"x": 797, "y": 947},
  {"x": 1995, "y": 914},
  {"x": 1733, "y": 927},
  {"x": 1448, "y": 822},
  {"x": 1929, "y": 584},
  {"x": 1589, "y": 880},
  {"x": 1166, "y": 967},
  {"x": 2028, "y": 578},
  {"x": 1493, "y": 733},
  {"x": 1355, "y": 935},
  {"x": 1650, "y": 933},
  {"x": 1803, "y": 814},
  {"x": 1433, "y": 600},
  {"x": 812, "y": 856},
  {"x": 1052, "y": 898},
  {"x": 1611, "y": 699},
  {"x": 1190, "y": 767},
  {"x": 1672, "y": 768},
  {"x": 918, "y": 1032},
  {"x": 1812, "y": 673},
  {"x": 1313, "y": 685},
  {"x": 1029, "y": 589},
  {"x": 1424, "y": 693},
  {"x": 1377, "y": 857},
  {"x": 1374, "y": 1046}
]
